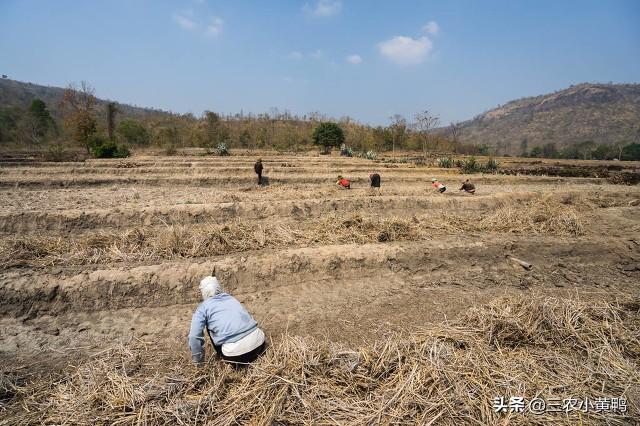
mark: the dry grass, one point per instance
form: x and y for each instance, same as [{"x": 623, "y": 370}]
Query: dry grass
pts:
[
  {"x": 546, "y": 216},
  {"x": 447, "y": 375}
]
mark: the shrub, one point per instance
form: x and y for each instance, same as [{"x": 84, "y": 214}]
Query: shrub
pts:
[
  {"x": 346, "y": 152},
  {"x": 370, "y": 155},
  {"x": 491, "y": 166},
  {"x": 470, "y": 165},
  {"x": 133, "y": 132},
  {"x": 445, "y": 162},
  {"x": 57, "y": 152},
  {"x": 222, "y": 149},
  {"x": 170, "y": 149},
  {"x": 105, "y": 148}
]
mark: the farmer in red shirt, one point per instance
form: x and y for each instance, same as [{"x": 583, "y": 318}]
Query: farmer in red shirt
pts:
[
  {"x": 343, "y": 183},
  {"x": 438, "y": 185}
]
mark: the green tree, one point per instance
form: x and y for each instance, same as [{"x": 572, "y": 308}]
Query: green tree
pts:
[
  {"x": 328, "y": 135},
  {"x": 215, "y": 130},
  {"x": 631, "y": 152},
  {"x": 483, "y": 149},
  {"x": 549, "y": 150},
  {"x": 536, "y": 152},
  {"x": 133, "y": 132},
  {"x": 603, "y": 152},
  {"x": 9, "y": 118}
]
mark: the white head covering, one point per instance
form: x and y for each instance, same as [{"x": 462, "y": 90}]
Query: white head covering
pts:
[{"x": 209, "y": 287}]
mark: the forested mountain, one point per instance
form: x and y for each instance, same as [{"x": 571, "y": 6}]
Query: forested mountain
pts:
[
  {"x": 599, "y": 113},
  {"x": 19, "y": 94}
]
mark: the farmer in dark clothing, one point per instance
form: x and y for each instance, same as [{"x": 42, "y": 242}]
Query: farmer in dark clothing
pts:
[
  {"x": 258, "y": 169},
  {"x": 374, "y": 178},
  {"x": 468, "y": 187}
]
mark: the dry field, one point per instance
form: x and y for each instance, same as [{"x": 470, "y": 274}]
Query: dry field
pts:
[{"x": 401, "y": 307}]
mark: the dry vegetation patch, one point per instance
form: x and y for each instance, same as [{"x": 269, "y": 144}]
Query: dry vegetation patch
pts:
[
  {"x": 547, "y": 216},
  {"x": 524, "y": 346}
]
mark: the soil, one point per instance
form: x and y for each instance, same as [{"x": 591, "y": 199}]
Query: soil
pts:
[{"x": 351, "y": 293}]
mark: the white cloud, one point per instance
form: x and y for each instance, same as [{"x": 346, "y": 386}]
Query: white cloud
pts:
[
  {"x": 295, "y": 55},
  {"x": 215, "y": 27},
  {"x": 354, "y": 59},
  {"x": 324, "y": 8},
  {"x": 406, "y": 50},
  {"x": 316, "y": 54},
  {"x": 432, "y": 27},
  {"x": 184, "y": 22}
]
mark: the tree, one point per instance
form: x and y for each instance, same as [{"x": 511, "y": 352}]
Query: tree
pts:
[
  {"x": 133, "y": 132},
  {"x": 398, "y": 129},
  {"x": 549, "y": 150},
  {"x": 215, "y": 130},
  {"x": 112, "y": 110},
  {"x": 9, "y": 118},
  {"x": 78, "y": 106},
  {"x": 524, "y": 147},
  {"x": 536, "y": 152},
  {"x": 36, "y": 123},
  {"x": 423, "y": 124},
  {"x": 631, "y": 152},
  {"x": 585, "y": 149},
  {"x": 328, "y": 134},
  {"x": 603, "y": 152},
  {"x": 454, "y": 130},
  {"x": 483, "y": 149}
]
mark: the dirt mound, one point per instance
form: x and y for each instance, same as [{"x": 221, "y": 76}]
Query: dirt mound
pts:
[{"x": 520, "y": 347}]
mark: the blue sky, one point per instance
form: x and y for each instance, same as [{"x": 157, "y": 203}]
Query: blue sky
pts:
[{"x": 365, "y": 59}]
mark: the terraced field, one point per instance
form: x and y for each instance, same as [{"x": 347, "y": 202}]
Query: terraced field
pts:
[{"x": 107, "y": 250}]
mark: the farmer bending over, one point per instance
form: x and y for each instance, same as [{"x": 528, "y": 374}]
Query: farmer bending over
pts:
[
  {"x": 439, "y": 186},
  {"x": 468, "y": 187},
  {"x": 374, "y": 178},
  {"x": 343, "y": 183},
  {"x": 234, "y": 333}
]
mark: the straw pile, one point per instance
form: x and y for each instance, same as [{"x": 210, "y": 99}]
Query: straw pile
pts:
[
  {"x": 448, "y": 374},
  {"x": 547, "y": 216}
]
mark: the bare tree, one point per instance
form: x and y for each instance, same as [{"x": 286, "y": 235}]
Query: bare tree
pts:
[
  {"x": 78, "y": 105},
  {"x": 425, "y": 122},
  {"x": 398, "y": 129},
  {"x": 454, "y": 129}
]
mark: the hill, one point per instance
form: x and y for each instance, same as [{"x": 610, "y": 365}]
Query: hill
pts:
[
  {"x": 602, "y": 113},
  {"x": 20, "y": 94}
]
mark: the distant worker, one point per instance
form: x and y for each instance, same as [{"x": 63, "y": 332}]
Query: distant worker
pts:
[
  {"x": 233, "y": 332},
  {"x": 258, "y": 169},
  {"x": 439, "y": 186},
  {"x": 468, "y": 187},
  {"x": 343, "y": 183},
  {"x": 374, "y": 179}
]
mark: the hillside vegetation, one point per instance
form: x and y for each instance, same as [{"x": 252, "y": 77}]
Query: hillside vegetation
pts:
[
  {"x": 600, "y": 113},
  {"x": 586, "y": 121}
]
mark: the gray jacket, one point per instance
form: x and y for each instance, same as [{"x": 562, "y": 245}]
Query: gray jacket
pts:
[{"x": 224, "y": 318}]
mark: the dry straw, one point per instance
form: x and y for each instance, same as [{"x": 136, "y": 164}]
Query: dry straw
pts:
[
  {"x": 448, "y": 375},
  {"x": 547, "y": 216}
]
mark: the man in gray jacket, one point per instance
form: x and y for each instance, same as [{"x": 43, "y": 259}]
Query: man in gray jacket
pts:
[{"x": 234, "y": 333}]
